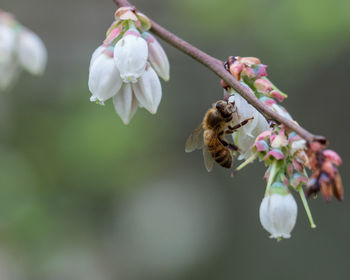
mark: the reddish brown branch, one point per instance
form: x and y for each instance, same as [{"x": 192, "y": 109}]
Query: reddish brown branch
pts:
[{"x": 217, "y": 67}]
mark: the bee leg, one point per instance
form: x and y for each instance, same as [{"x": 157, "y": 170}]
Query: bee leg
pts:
[
  {"x": 232, "y": 147},
  {"x": 240, "y": 124}
]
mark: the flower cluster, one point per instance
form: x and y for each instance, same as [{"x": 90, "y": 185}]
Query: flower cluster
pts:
[
  {"x": 325, "y": 175},
  {"x": 286, "y": 155},
  {"x": 126, "y": 65},
  {"x": 20, "y": 48},
  {"x": 252, "y": 74}
]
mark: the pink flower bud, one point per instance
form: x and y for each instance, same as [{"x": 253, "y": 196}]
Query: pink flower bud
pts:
[
  {"x": 268, "y": 101},
  {"x": 275, "y": 154},
  {"x": 125, "y": 13},
  {"x": 249, "y": 72},
  {"x": 224, "y": 84},
  {"x": 236, "y": 70},
  {"x": 278, "y": 95},
  {"x": 249, "y": 60},
  {"x": 261, "y": 146},
  {"x": 115, "y": 24},
  {"x": 260, "y": 70},
  {"x": 262, "y": 85},
  {"x": 333, "y": 157},
  {"x": 157, "y": 56},
  {"x": 264, "y": 135},
  {"x": 113, "y": 34}
]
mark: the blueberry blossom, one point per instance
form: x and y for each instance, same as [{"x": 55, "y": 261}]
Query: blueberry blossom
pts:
[
  {"x": 126, "y": 65},
  {"x": 104, "y": 78},
  {"x": 20, "y": 48},
  {"x": 278, "y": 211},
  {"x": 245, "y": 136},
  {"x": 130, "y": 56}
]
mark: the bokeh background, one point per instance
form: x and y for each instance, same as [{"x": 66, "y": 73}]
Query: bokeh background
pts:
[{"x": 84, "y": 197}]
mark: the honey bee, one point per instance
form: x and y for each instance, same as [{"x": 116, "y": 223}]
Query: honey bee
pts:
[{"x": 209, "y": 135}]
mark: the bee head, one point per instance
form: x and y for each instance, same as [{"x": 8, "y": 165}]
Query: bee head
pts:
[{"x": 225, "y": 108}]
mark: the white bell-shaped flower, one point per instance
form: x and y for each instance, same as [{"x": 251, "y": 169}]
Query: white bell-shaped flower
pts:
[
  {"x": 282, "y": 111},
  {"x": 148, "y": 90},
  {"x": 130, "y": 56},
  {"x": 96, "y": 54},
  {"x": 125, "y": 103},
  {"x": 32, "y": 53},
  {"x": 7, "y": 43},
  {"x": 278, "y": 212},
  {"x": 104, "y": 78},
  {"x": 9, "y": 73},
  {"x": 246, "y": 135},
  {"x": 157, "y": 56}
]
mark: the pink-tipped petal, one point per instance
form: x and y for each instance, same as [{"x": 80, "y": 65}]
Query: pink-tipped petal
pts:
[
  {"x": 262, "y": 85},
  {"x": 275, "y": 154},
  {"x": 333, "y": 157},
  {"x": 264, "y": 135}
]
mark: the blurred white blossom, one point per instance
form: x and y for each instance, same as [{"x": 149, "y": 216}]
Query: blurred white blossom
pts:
[{"x": 20, "y": 48}]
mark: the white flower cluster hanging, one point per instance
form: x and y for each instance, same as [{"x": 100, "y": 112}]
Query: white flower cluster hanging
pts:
[
  {"x": 20, "y": 48},
  {"x": 127, "y": 65}
]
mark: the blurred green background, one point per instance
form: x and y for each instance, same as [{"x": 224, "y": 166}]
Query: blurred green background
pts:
[{"x": 84, "y": 197}]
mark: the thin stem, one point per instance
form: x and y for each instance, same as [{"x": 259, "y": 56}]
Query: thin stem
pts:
[
  {"x": 217, "y": 66},
  {"x": 272, "y": 176},
  {"x": 246, "y": 162},
  {"x": 306, "y": 206}
]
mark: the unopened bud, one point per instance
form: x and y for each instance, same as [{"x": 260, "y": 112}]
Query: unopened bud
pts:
[
  {"x": 262, "y": 85},
  {"x": 236, "y": 70},
  {"x": 278, "y": 95},
  {"x": 333, "y": 157},
  {"x": 249, "y": 60},
  {"x": 157, "y": 56},
  {"x": 125, "y": 13}
]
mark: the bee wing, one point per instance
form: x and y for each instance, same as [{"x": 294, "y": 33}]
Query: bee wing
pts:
[
  {"x": 208, "y": 159},
  {"x": 195, "y": 140}
]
